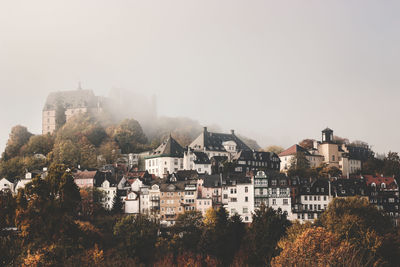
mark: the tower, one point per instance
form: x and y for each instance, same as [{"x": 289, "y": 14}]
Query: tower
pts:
[{"x": 327, "y": 135}]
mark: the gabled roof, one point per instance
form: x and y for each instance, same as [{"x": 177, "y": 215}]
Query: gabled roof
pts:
[
  {"x": 214, "y": 141},
  {"x": 255, "y": 155},
  {"x": 169, "y": 148},
  {"x": 85, "y": 174},
  {"x": 201, "y": 158},
  {"x": 293, "y": 151}
]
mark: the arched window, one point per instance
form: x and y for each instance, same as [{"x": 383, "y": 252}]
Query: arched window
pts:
[{"x": 383, "y": 185}]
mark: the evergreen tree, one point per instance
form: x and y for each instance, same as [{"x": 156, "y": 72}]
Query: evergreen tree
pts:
[{"x": 117, "y": 204}]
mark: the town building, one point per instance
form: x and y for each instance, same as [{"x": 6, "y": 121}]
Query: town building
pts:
[
  {"x": 166, "y": 159},
  {"x": 246, "y": 161},
  {"x": 5, "y": 184},
  {"x": 196, "y": 160},
  {"x": 288, "y": 156},
  {"x": 238, "y": 197},
  {"x": 218, "y": 144},
  {"x": 171, "y": 202},
  {"x": 384, "y": 194}
]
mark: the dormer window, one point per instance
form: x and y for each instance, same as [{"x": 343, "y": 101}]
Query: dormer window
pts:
[{"x": 383, "y": 185}]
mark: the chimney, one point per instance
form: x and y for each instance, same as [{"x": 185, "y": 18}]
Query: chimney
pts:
[{"x": 233, "y": 132}]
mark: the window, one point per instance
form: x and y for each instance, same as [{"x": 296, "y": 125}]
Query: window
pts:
[
  {"x": 285, "y": 201},
  {"x": 305, "y": 197},
  {"x": 333, "y": 157},
  {"x": 325, "y": 198},
  {"x": 225, "y": 196},
  {"x": 246, "y": 199},
  {"x": 246, "y": 218},
  {"x": 245, "y": 210},
  {"x": 273, "y": 201},
  {"x": 246, "y": 189}
]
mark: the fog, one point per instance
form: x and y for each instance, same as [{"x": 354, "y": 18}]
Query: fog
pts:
[{"x": 275, "y": 71}]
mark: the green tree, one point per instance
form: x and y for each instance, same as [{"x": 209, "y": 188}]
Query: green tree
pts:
[
  {"x": 266, "y": 229},
  {"x": 61, "y": 118},
  {"x": 187, "y": 231},
  {"x": 12, "y": 169},
  {"x": 299, "y": 165},
  {"x": 69, "y": 195},
  {"x": 391, "y": 165},
  {"x": 8, "y": 206},
  {"x": 137, "y": 236},
  {"x": 19, "y": 136},
  {"x": 118, "y": 205},
  {"x": 66, "y": 152}
]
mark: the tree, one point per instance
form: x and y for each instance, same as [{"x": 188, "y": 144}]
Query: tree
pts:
[
  {"x": 39, "y": 144},
  {"x": 316, "y": 246},
  {"x": 8, "y": 206},
  {"x": 19, "y": 136},
  {"x": 137, "y": 235},
  {"x": 187, "y": 231},
  {"x": 266, "y": 229},
  {"x": 118, "y": 205},
  {"x": 129, "y": 136},
  {"x": 274, "y": 149},
  {"x": 12, "y": 169},
  {"x": 61, "y": 118},
  {"x": 372, "y": 166},
  {"x": 307, "y": 143},
  {"x": 69, "y": 194},
  {"x": 358, "y": 222},
  {"x": 391, "y": 165},
  {"x": 109, "y": 151},
  {"x": 299, "y": 165},
  {"x": 66, "y": 152}
]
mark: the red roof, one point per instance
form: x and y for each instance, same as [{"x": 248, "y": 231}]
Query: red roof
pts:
[
  {"x": 293, "y": 151},
  {"x": 379, "y": 180}
]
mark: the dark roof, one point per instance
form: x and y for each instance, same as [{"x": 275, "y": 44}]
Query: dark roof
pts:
[
  {"x": 255, "y": 155},
  {"x": 213, "y": 141},
  {"x": 293, "y": 150},
  {"x": 201, "y": 158},
  {"x": 171, "y": 187},
  {"x": 350, "y": 187},
  {"x": 327, "y": 129},
  {"x": 102, "y": 176},
  {"x": 71, "y": 99},
  {"x": 169, "y": 148},
  {"x": 211, "y": 180}
]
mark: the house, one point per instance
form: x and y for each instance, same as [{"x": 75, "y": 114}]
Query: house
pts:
[
  {"x": 384, "y": 194},
  {"x": 288, "y": 156},
  {"x": 313, "y": 199},
  {"x": 273, "y": 190},
  {"x": 218, "y": 144},
  {"x": 171, "y": 201},
  {"x": 203, "y": 204},
  {"x": 86, "y": 179},
  {"x": 132, "y": 203},
  {"x": 108, "y": 186},
  {"x": 154, "y": 200},
  {"x": 344, "y": 156},
  {"x": 238, "y": 197},
  {"x": 210, "y": 187},
  {"x": 196, "y": 160},
  {"x": 5, "y": 184},
  {"x": 167, "y": 158},
  {"x": 246, "y": 161},
  {"x": 20, "y": 183}
]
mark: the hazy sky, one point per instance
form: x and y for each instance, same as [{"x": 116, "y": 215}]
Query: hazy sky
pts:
[{"x": 277, "y": 71}]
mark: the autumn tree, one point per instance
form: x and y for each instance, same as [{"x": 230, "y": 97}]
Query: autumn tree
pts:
[
  {"x": 12, "y": 169},
  {"x": 8, "y": 206},
  {"x": 39, "y": 144},
  {"x": 391, "y": 165},
  {"x": 316, "y": 246},
  {"x": 358, "y": 222},
  {"x": 187, "y": 231},
  {"x": 109, "y": 152},
  {"x": 129, "y": 136}
]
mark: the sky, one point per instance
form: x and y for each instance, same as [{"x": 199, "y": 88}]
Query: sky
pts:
[{"x": 276, "y": 71}]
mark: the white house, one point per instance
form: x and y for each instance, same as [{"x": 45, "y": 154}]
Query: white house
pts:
[
  {"x": 196, "y": 160},
  {"x": 6, "y": 185},
  {"x": 218, "y": 144},
  {"x": 167, "y": 158},
  {"x": 132, "y": 203},
  {"x": 238, "y": 198},
  {"x": 109, "y": 192}
]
